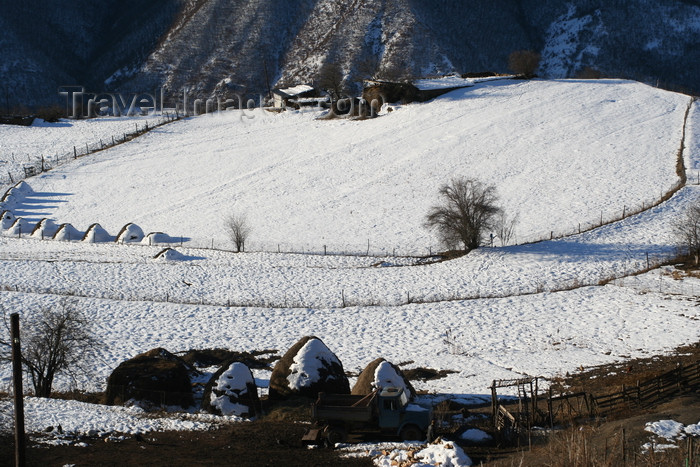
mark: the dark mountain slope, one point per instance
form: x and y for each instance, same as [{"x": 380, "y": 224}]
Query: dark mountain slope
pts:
[{"x": 227, "y": 47}]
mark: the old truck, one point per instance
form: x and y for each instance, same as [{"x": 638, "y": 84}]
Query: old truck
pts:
[{"x": 385, "y": 411}]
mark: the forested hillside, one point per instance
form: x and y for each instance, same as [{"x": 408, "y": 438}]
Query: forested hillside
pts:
[{"x": 245, "y": 46}]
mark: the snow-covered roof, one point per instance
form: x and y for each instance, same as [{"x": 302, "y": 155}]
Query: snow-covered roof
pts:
[
  {"x": 294, "y": 90},
  {"x": 442, "y": 83}
]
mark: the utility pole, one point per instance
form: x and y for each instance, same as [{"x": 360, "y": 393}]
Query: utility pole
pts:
[{"x": 17, "y": 383}]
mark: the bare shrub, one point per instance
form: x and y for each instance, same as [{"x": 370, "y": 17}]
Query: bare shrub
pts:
[
  {"x": 238, "y": 230},
  {"x": 331, "y": 78},
  {"x": 468, "y": 210},
  {"x": 54, "y": 341},
  {"x": 524, "y": 62},
  {"x": 687, "y": 233},
  {"x": 505, "y": 227}
]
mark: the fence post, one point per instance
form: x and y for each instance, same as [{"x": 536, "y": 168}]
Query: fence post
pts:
[
  {"x": 19, "y": 392},
  {"x": 75, "y": 153}
]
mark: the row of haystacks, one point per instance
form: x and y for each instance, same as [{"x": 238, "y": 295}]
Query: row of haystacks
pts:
[
  {"x": 158, "y": 378},
  {"x": 47, "y": 229},
  {"x": 14, "y": 226}
]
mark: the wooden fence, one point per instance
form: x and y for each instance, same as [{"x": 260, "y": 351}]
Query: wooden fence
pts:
[
  {"x": 683, "y": 379},
  {"x": 549, "y": 409}
]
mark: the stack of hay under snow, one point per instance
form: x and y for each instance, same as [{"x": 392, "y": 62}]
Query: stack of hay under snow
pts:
[
  {"x": 382, "y": 374},
  {"x": 130, "y": 233},
  {"x": 155, "y": 378},
  {"x": 19, "y": 227},
  {"x": 96, "y": 234},
  {"x": 308, "y": 368},
  {"x": 7, "y": 219},
  {"x": 45, "y": 228},
  {"x": 232, "y": 391},
  {"x": 67, "y": 233}
]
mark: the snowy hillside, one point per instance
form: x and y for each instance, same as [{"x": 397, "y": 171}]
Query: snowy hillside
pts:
[{"x": 560, "y": 153}]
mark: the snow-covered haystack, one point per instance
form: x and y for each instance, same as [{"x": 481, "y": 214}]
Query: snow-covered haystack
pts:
[
  {"x": 23, "y": 188},
  {"x": 67, "y": 233},
  {"x": 19, "y": 227},
  {"x": 45, "y": 228},
  {"x": 130, "y": 233},
  {"x": 170, "y": 254},
  {"x": 7, "y": 219},
  {"x": 155, "y": 378},
  {"x": 382, "y": 374},
  {"x": 96, "y": 234},
  {"x": 16, "y": 192},
  {"x": 308, "y": 368},
  {"x": 154, "y": 238},
  {"x": 232, "y": 391}
]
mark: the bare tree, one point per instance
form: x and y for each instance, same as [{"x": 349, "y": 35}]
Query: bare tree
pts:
[
  {"x": 467, "y": 212},
  {"x": 687, "y": 232},
  {"x": 55, "y": 341},
  {"x": 238, "y": 230},
  {"x": 330, "y": 78},
  {"x": 524, "y": 62},
  {"x": 505, "y": 227}
]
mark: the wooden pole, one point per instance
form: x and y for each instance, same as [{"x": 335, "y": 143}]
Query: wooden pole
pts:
[{"x": 19, "y": 393}]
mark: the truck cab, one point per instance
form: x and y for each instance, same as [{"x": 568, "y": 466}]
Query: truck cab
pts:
[{"x": 398, "y": 415}]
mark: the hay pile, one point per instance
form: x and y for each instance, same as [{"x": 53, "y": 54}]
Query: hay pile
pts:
[
  {"x": 232, "y": 391},
  {"x": 380, "y": 373},
  {"x": 387, "y": 92},
  {"x": 155, "y": 378},
  {"x": 130, "y": 233},
  {"x": 308, "y": 368}
]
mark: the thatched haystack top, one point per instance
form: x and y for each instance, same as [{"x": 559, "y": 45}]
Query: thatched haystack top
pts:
[
  {"x": 130, "y": 233},
  {"x": 308, "y": 367},
  {"x": 67, "y": 233},
  {"x": 232, "y": 391},
  {"x": 45, "y": 228},
  {"x": 96, "y": 234},
  {"x": 382, "y": 374},
  {"x": 164, "y": 354},
  {"x": 7, "y": 219}
]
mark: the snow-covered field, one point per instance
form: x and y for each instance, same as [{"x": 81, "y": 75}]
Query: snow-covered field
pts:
[
  {"x": 25, "y": 146},
  {"x": 560, "y": 153}
]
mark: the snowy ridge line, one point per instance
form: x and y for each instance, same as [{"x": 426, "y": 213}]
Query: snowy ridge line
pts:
[
  {"x": 344, "y": 301},
  {"x": 44, "y": 163}
]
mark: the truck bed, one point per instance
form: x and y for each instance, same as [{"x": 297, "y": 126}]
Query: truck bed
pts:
[{"x": 344, "y": 407}]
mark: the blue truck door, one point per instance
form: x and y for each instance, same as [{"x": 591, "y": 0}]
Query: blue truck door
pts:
[{"x": 389, "y": 413}]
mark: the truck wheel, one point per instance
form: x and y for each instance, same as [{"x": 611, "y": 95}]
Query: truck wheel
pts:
[
  {"x": 412, "y": 433},
  {"x": 335, "y": 434}
]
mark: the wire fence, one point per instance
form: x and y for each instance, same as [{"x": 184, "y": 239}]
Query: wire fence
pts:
[{"x": 35, "y": 166}]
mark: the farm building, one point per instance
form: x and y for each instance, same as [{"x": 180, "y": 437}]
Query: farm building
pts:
[{"x": 297, "y": 96}]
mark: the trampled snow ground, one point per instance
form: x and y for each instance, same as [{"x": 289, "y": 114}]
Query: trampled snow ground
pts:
[{"x": 559, "y": 152}]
